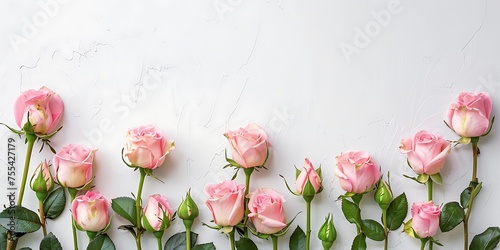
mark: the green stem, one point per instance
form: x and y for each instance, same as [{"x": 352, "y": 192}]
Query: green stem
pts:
[
  {"x": 187, "y": 225},
  {"x": 422, "y": 244},
  {"x": 231, "y": 238},
  {"x": 158, "y": 241},
  {"x": 429, "y": 198},
  {"x": 308, "y": 224},
  {"x": 72, "y": 194},
  {"x": 138, "y": 208},
  {"x": 91, "y": 235},
  {"x": 248, "y": 173},
  {"x": 357, "y": 199},
  {"x": 42, "y": 217},
  {"x": 31, "y": 141},
  {"x": 384, "y": 221},
  {"x": 473, "y": 184},
  {"x": 275, "y": 242}
]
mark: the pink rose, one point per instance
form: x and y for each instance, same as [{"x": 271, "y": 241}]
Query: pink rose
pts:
[
  {"x": 44, "y": 107},
  {"x": 147, "y": 147},
  {"x": 225, "y": 201},
  {"x": 266, "y": 210},
  {"x": 426, "y": 152},
  {"x": 90, "y": 211},
  {"x": 249, "y": 145},
  {"x": 356, "y": 171},
  {"x": 156, "y": 212},
  {"x": 42, "y": 181},
  {"x": 425, "y": 218},
  {"x": 308, "y": 173},
  {"x": 73, "y": 165},
  {"x": 470, "y": 115}
]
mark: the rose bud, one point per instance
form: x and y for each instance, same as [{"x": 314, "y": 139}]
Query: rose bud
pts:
[
  {"x": 41, "y": 181},
  {"x": 43, "y": 107},
  {"x": 470, "y": 115},
  {"x": 356, "y": 171},
  {"x": 425, "y": 218},
  {"x": 383, "y": 195},
  {"x": 90, "y": 211},
  {"x": 327, "y": 233},
  {"x": 188, "y": 210},
  {"x": 147, "y": 147},
  {"x": 157, "y": 214},
  {"x": 225, "y": 201},
  {"x": 426, "y": 152},
  {"x": 249, "y": 145},
  {"x": 266, "y": 210},
  {"x": 308, "y": 182},
  {"x": 73, "y": 165}
]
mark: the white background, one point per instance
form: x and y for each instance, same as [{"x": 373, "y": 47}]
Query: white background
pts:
[{"x": 321, "y": 77}]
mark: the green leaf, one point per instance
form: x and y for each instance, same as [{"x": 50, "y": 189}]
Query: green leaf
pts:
[
  {"x": 437, "y": 178},
  {"x": 465, "y": 197},
  {"x": 54, "y": 204},
  {"x": 351, "y": 212},
  {"x": 422, "y": 178},
  {"x": 3, "y": 238},
  {"x": 101, "y": 242},
  {"x": 373, "y": 230},
  {"x": 178, "y": 241},
  {"x": 50, "y": 242},
  {"x": 297, "y": 239},
  {"x": 396, "y": 212},
  {"x": 125, "y": 207},
  {"x": 21, "y": 219},
  {"x": 245, "y": 244},
  {"x": 486, "y": 240},
  {"x": 205, "y": 246},
  {"x": 359, "y": 242},
  {"x": 452, "y": 214}
]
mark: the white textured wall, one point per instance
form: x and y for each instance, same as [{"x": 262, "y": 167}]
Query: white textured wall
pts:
[{"x": 320, "y": 76}]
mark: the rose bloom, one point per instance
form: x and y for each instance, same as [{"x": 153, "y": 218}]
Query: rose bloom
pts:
[
  {"x": 225, "y": 201},
  {"x": 90, "y": 211},
  {"x": 73, "y": 165},
  {"x": 266, "y": 210},
  {"x": 470, "y": 115},
  {"x": 425, "y": 218},
  {"x": 48, "y": 182},
  {"x": 248, "y": 145},
  {"x": 308, "y": 173},
  {"x": 426, "y": 152},
  {"x": 147, "y": 147},
  {"x": 356, "y": 171},
  {"x": 153, "y": 212},
  {"x": 45, "y": 109}
]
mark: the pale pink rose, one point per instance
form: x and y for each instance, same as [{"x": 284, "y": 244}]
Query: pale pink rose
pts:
[
  {"x": 90, "y": 211},
  {"x": 426, "y": 152},
  {"x": 356, "y": 171},
  {"x": 73, "y": 165},
  {"x": 308, "y": 173},
  {"x": 266, "y": 210},
  {"x": 48, "y": 182},
  {"x": 470, "y": 115},
  {"x": 45, "y": 109},
  {"x": 147, "y": 147},
  {"x": 248, "y": 145},
  {"x": 155, "y": 212},
  {"x": 225, "y": 201},
  {"x": 425, "y": 218}
]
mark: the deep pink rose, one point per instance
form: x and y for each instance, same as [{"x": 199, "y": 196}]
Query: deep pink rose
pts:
[
  {"x": 266, "y": 210},
  {"x": 248, "y": 145},
  {"x": 308, "y": 173},
  {"x": 425, "y": 218},
  {"x": 155, "y": 212},
  {"x": 90, "y": 211},
  {"x": 470, "y": 115},
  {"x": 147, "y": 146},
  {"x": 45, "y": 109},
  {"x": 426, "y": 152},
  {"x": 73, "y": 165},
  {"x": 225, "y": 201},
  {"x": 356, "y": 171}
]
